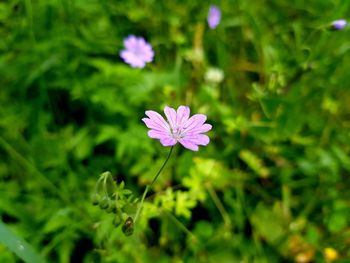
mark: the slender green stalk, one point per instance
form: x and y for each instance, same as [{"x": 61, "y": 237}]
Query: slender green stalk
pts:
[
  {"x": 149, "y": 186},
  {"x": 182, "y": 226},
  {"x": 219, "y": 205},
  {"x": 141, "y": 203},
  {"x": 160, "y": 170}
]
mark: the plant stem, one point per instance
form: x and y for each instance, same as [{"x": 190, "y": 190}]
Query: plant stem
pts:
[
  {"x": 182, "y": 226},
  {"x": 219, "y": 205},
  {"x": 160, "y": 170},
  {"x": 149, "y": 186}
]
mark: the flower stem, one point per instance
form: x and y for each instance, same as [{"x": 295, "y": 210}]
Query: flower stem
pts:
[
  {"x": 150, "y": 185},
  {"x": 219, "y": 206},
  {"x": 160, "y": 170}
]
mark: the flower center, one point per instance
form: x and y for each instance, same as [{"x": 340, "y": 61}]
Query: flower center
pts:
[{"x": 177, "y": 133}]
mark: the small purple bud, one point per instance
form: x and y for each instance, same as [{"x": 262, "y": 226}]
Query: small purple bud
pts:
[
  {"x": 214, "y": 16},
  {"x": 339, "y": 24}
]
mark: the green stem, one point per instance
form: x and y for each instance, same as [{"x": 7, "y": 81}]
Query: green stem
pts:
[
  {"x": 219, "y": 205},
  {"x": 141, "y": 203},
  {"x": 182, "y": 226},
  {"x": 160, "y": 170},
  {"x": 149, "y": 186}
]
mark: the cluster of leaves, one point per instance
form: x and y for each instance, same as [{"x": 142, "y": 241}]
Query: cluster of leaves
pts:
[{"x": 272, "y": 186}]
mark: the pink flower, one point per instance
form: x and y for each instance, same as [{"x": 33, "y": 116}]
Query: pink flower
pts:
[
  {"x": 214, "y": 16},
  {"x": 179, "y": 127},
  {"x": 339, "y": 24},
  {"x": 137, "y": 52}
]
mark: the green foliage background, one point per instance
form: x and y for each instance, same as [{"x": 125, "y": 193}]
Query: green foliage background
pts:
[{"x": 272, "y": 185}]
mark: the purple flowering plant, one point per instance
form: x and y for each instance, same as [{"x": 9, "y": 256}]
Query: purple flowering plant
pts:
[
  {"x": 178, "y": 127},
  {"x": 137, "y": 52},
  {"x": 214, "y": 16}
]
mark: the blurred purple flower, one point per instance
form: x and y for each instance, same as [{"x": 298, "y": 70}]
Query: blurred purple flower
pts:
[
  {"x": 137, "y": 52},
  {"x": 339, "y": 24},
  {"x": 179, "y": 127},
  {"x": 214, "y": 16}
]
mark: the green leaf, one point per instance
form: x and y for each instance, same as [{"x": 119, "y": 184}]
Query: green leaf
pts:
[
  {"x": 18, "y": 246},
  {"x": 270, "y": 106},
  {"x": 337, "y": 222},
  {"x": 268, "y": 224},
  {"x": 255, "y": 163},
  {"x": 183, "y": 204}
]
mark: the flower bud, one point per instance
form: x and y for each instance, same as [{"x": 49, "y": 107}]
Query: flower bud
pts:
[
  {"x": 104, "y": 202},
  {"x": 214, "y": 75},
  {"x": 115, "y": 209},
  {"x": 339, "y": 24},
  {"x": 214, "y": 16},
  {"x": 95, "y": 198},
  {"x": 128, "y": 227},
  {"x": 111, "y": 206}
]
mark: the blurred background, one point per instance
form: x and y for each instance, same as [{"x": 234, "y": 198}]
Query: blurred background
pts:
[{"x": 273, "y": 79}]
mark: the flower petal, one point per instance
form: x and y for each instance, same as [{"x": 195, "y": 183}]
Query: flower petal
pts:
[
  {"x": 131, "y": 59},
  {"x": 154, "y": 125},
  {"x": 189, "y": 145},
  {"x": 194, "y": 122},
  {"x": 204, "y": 128},
  {"x": 170, "y": 113},
  {"x": 168, "y": 141},
  {"x": 158, "y": 119},
  {"x": 144, "y": 52},
  {"x": 158, "y": 134},
  {"x": 199, "y": 139},
  {"x": 130, "y": 42},
  {"x": 182, "y": 115}
]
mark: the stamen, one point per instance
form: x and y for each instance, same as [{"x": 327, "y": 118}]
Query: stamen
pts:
[{"x": 177, "y": 133}]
